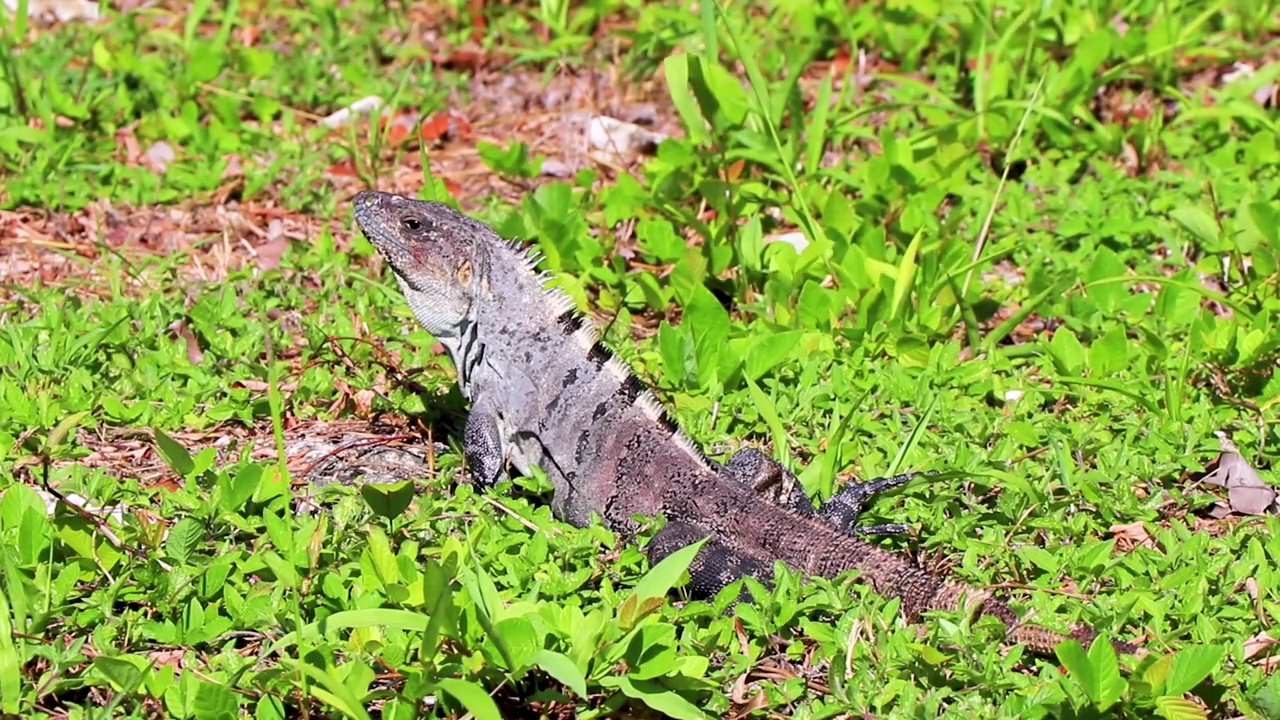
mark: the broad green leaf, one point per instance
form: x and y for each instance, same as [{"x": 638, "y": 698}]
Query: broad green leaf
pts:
[
  {"x": 1074, "y": 658},
  {"x": 1200, "y": 224},
  {"x": 123, "y": 675},
  {"x": 173, "y": 453},
  {"x": 1067, "y": 352},
  {"x": 388, "y": 500},
  {"x": 1177, "y": 708},
  {"x": 768, "y": 351},
  {"x": 563, "y": 670},
  {"x": 10, "y": 665},
  {"x": 183, "y": 539},
  {"x": 657, "y": 697},
  {"x": 374, "y": 617},
  {"x": 1106, "y": 667},
  {"x": 237, "y": 490},
  {"x": 675, "y": 69},
  {"x": 382, "y": 556},
  {"x": 215, "y": 701},
  {"x": 662, "y": 577},
  {"x": 520, "y": 639},
  {"x": 473, "y": 698},
  {"x": 1190, "y": 666}
]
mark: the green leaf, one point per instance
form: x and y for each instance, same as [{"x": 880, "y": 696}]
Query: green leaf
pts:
[
  {"x": 473, "y": 698},
  {"x": 214, "y": 701},
  {"x": 236, "y": 491},
  {"x": 768, "y": 350},
  {"x": 720, "y": 94},
  {"x": 768, "y": 411},
  {"x": 904, "y": 279},
  {"x": 183, "y": 539},
  {"x": 437, "y": 592},
  {"x": 60, "y": 431},
  {"x": 675, "y": 69},
  {"x": 1190, "y": 666},
  {"x": 1067, "y": 352},
  {"x": 388, "y": 500},
  {"x": 10, "y": 665},
  {"x": 382, "y": 556},
  {"x": 1259, "y": 221},
  {"x": 1267, "y": 698},
  {"x": 173, "y": 453},
  {"x": 563, "y": 670},
  {"x": 1199, "y": 223},
  {"x": 123, "y": 675},
  {"x": 520, "y": 639},
  {"x": 1106, "y": 667},
  {"x": 1073, "y": 657},
  {"x": 663, "y": 576},
  {"x": 656, "y": 696},
  {"x": 1176, "y": 708},
  {"x": 374, "y": 617}
]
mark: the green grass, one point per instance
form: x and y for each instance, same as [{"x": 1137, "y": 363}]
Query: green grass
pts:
[{"x": 1040, "y": 248}]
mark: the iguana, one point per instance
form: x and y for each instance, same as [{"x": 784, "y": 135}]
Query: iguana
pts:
[{"x": 544, "y": 391}]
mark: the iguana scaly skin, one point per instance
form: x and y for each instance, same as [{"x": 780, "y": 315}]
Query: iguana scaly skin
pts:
[{"x": 545, "y": 392}]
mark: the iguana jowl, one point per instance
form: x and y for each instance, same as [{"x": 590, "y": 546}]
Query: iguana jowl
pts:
[{"x": 545, "y": 392}]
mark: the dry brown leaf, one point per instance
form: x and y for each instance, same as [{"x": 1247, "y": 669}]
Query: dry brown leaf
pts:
[
  {"x": 1131, "y": 535},
  {"x": 1246, "y": 492},
  {"x": 179, "y": 329},
  {"x": 1258, "y": 643}
]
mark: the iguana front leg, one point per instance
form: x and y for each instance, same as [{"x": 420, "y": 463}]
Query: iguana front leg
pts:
[
  {"x": 769, "y": 479},
  {"x": 483, "y": 448}
]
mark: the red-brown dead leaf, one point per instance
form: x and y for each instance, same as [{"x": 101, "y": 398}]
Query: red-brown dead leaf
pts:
[
  {"x": 233, "y": 168},
  {"x": 179, "y": 329},
  {"x": 127, "y": 147},
  {"x": 840, "y": 63},
  {"x": 744, "y": 643},
  {"x": 343, "y": 168},
  {"x": 268, "y": 255},
  {"x": 744, "y": 705},
  {"x": 1130, "y": 535},
  {"x": 446, "y": 125},
  {"x": 1258, "y": 643},
  {"x": 464, "y": 59},
  {"x": 400, "y": 127},
  {"x": 158, "y": 156},
  {"x": 364, "y": 402}
]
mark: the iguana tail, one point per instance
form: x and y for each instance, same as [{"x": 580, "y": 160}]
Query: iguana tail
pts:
[
  {"x": 952, "y": 595},
  {"x": 920, "y": 590}
]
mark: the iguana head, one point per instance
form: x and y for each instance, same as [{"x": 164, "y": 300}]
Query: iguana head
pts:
[{"x": 438, "y": 254}]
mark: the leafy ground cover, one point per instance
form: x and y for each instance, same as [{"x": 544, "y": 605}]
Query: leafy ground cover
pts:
[{"x": 1036, "y": 243}]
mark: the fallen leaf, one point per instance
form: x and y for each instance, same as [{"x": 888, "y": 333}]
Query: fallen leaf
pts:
[
  {"x": 363, "y": 106},
  {"x": 343, "y": 168},
  {"x": 158, "y": 156},
  {"x": 179, "y": 329},
  {"x": 364, "y": 402},
  {"x": 269, "y": 253},
  {"x": 621, "y": 137},
  {"x": 1246, "y": 492},
  {"x": 1131, "y": 535},
  {"x": 445, "y": 125},
  {"x": 1257, "y": 644}
]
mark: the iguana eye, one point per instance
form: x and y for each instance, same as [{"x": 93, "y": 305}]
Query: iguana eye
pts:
[{"x": 412, "y": 223}]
